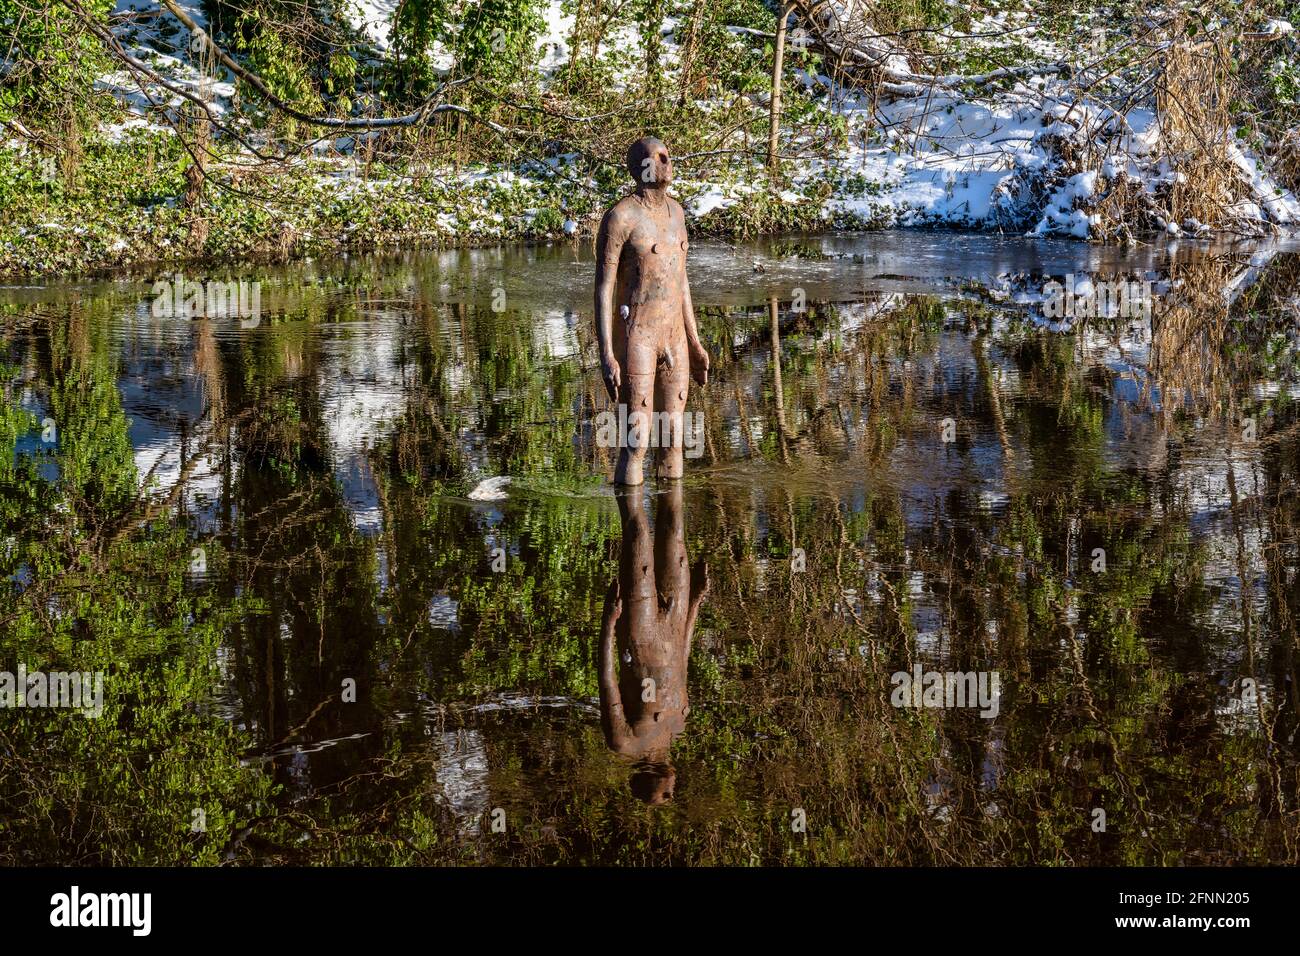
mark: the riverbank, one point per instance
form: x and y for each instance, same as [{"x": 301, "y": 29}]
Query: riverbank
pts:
[
  {"x": 325, "y": 208},
  {"x": 1012, "y": 129},
  {"x": 133, "y": 210}
]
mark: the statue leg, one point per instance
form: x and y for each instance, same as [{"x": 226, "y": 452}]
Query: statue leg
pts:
[
  {"x": 636, "y": 570},
  {"x": 672, "y": 574},
  {"x": 670, "y": 400},
  {"x": 637, "y": 394}
]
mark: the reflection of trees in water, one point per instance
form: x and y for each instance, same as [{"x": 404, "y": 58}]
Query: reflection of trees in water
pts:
[
  {"x": 130, "y": 786},
  {"x": 1222, "y": 331},
  {"x": 1119, "y": 688}
]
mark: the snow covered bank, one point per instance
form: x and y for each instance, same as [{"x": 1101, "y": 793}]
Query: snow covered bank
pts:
[{"x": 1031, "y": 139}]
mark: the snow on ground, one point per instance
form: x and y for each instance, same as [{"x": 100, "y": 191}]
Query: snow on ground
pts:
[
  {"x": 554, "y": 43},
  {"x": 160, "y": 42},
  {"x": 941, "y": 159},
  {"x": 192, "y": 9},
  {"x": 373, "y": 18},
  {"x": 938, "y": 157}
]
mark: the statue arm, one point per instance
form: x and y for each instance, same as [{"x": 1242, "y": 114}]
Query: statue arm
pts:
[
  {"x": 611, "y": 700},
  {"x": 699, "y": 355},
  {"x": 609, "y": 246},
  {"x": 699, "y": 588}
]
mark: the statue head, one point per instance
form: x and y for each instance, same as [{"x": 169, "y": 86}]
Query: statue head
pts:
[
  {"x": 653, "y": 782},
  {"x": 649, "y": 164}
]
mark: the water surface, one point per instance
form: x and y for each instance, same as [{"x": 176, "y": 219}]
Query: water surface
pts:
[{"x": 327, "y": 640}]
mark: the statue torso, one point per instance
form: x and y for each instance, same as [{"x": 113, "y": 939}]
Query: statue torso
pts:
[{"x": 653, "y": 260}]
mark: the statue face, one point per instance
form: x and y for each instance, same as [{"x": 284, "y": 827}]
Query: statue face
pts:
[
  {"x": 653, "y": 783},
  {"x": 649, "y": 163}
]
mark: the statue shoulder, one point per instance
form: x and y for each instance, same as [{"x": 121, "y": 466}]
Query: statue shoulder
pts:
[{"x": 619, "y": 217}]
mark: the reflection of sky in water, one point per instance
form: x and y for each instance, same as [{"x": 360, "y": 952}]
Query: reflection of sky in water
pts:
[
  {"x": 462, "y": 774},
  {"x": 364, "y": 395},
  {"x": 364, "y": 386},
  {"x": 33, "y": 442},
  {"x": 163, "y": 397},
  {"x": 443, "y": 611}
]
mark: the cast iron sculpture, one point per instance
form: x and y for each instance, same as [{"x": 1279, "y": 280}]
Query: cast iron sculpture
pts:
[{"x": 650, "y": 352}]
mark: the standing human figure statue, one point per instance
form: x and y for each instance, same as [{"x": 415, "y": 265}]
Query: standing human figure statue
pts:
[{"x": 645, "y": 323}]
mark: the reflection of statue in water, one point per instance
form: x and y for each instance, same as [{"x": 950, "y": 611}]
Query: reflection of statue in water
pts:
[
  {"x": 649, "y": 354},
  {"x": 646, "y": 642}
]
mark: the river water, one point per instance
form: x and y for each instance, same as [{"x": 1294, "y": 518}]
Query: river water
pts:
[{"x": 331, "y": 631}]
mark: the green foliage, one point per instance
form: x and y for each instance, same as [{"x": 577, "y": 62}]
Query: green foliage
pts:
[
  {"x": 122, "y": 787},
  {"x": 55, "y": 62},
  {"x": 490, "y": 40},
  {"x": 417, "y": 25},
  {"x": 283, "y": 65}
]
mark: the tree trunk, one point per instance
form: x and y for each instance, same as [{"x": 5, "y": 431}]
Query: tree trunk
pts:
[
  {"x": 687, "y": 78},
  {"x": 778, "y": 68}
]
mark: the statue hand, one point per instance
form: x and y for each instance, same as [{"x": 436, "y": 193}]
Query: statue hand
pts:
[
  {"x": 612, "y": 374},
  {"x": 699, "y": 363}
]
